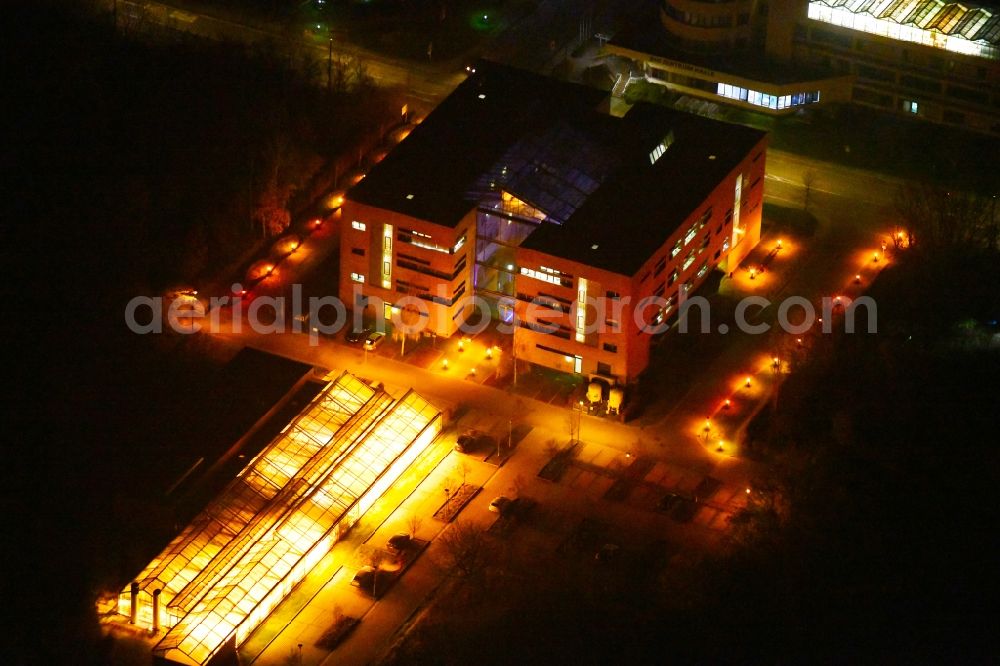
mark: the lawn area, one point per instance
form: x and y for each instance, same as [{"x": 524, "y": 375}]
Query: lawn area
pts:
[
  {"x": 412, "y": 30},
  {"x": 868, "y": 139}
]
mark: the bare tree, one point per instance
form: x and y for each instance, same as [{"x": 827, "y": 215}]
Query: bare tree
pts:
[
  {"x": 808, "y": 182},
  {"x": 463, "y": 470},
  {"x": 935, "y": 218},
  {"x": 413, "y": 523},
  {"x": 409, "y": 317},
  {"x": 466, "y": 550}
]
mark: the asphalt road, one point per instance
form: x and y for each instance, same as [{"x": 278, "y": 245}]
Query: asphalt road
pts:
[{"x": 788, "y": 174}]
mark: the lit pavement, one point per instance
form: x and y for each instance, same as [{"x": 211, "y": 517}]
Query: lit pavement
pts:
[
  {"x": 561, "y": 505},
  {"x": 848, "y": 232},
  {"x": 853, "y": 211}
]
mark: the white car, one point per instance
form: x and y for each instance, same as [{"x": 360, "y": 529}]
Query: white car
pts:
[
  {"x": 500, "y": 504},
  {"x": 374, "y": 340}
]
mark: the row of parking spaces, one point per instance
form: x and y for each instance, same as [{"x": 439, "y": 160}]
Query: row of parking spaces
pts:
[{"x": 683, "y": 494}]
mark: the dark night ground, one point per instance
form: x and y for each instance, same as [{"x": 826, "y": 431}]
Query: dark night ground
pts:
[{"x": 884, "y": 457}]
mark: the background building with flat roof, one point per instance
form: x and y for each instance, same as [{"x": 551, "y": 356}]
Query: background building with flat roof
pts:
[
  {"x": 936, "y": 60},
  {"x": 521, "y": 190}
]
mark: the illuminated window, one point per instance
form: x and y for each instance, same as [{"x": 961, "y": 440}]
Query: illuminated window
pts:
[
  {"x": 677, "y": 249},
  {"x": 688, "y": 260},
  {"x": 387, "y": 256},
  {"x": 581, "y": 311},
  {"x": 360, "y": 226},
  {"x": 691, "y": 234},
  {"x": 544, "y": 274},
  {"x": 661, "y": 148},
  {"x": 737, "y": 200},
  {"x": 357, "y": 277}
]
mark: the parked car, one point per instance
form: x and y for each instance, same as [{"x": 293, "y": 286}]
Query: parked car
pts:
[
  {"x": 365, "y": 578},
  {"x": 468, "y": 440},
  {"x": 668, "y": 502},
  {"x": 607, "y": 552},
  {"x": 398, "y": 543},
  {"x": 355, "y": 336},
  {"x": 374, "y": 340},
  {"x": 500, "y": 505}
]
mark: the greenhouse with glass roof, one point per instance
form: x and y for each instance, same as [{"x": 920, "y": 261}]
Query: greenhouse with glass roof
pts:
[{"x": 240, "y": 557}]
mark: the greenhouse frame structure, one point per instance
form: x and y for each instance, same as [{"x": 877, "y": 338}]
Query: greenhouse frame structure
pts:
[{"x": 237, "y": 560}]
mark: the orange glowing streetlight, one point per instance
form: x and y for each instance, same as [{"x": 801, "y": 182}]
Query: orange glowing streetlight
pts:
[
  {"x": 779, "y": 243},
  {"x": 747, "y": 382},
  {"x": 461, "y": 345},
  {"x": 489, "y": 353},
  {"x": 444, "y": 364},
  {"x": 317, "y": 223},
  {"x": 708, "y": 425},
  {"x": 721, "y": 447},
  {"x": 727, "y": 404},
  {"x": 857, "y": 278},
  {"x": 875, "y": 257},
  {"x": 753, "y": 273}
]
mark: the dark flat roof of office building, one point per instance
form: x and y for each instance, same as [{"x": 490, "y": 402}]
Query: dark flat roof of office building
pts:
[
  {"x": 641, "y": 204},
  {"x": 608, "y": 205},
  {"x": 464, "y": 136}
]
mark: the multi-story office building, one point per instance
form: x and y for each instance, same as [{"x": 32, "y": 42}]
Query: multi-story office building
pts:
[
  {"x": 935, "y": 60},
  {"x": 580, "y": 229}
]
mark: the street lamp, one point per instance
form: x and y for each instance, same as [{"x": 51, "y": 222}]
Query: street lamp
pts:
[{"x": 510, "y": 428}]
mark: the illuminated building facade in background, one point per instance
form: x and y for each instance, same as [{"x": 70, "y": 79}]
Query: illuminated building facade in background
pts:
[{"x": 935, "y": 60}]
